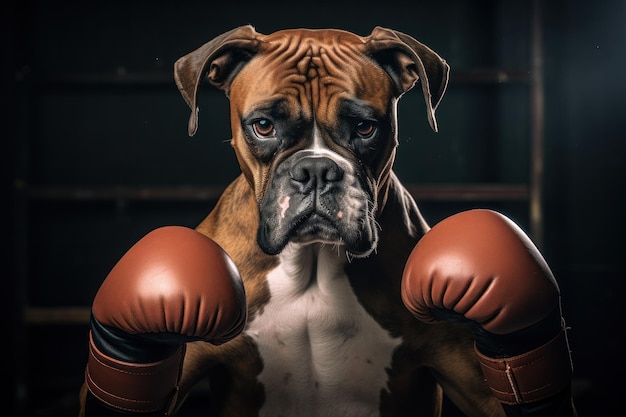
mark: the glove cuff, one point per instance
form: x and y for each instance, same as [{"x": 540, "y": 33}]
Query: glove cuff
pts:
[
  {"x": 133, "y": 387},
  {"x": 531, "y": 376}
]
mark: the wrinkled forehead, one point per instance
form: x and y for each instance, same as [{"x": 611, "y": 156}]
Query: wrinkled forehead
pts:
[
  {"x": 315, "y": 70},
  {"x": 318, "y": 36}
]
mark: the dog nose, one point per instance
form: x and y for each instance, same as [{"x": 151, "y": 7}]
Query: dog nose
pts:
[{"x": 311, "y": 172}]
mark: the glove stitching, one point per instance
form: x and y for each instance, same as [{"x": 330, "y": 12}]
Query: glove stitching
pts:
[{"x": 129, "y": 372}]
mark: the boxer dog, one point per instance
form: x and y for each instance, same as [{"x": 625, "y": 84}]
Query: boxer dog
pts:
[{"x": 320, "y": 228}]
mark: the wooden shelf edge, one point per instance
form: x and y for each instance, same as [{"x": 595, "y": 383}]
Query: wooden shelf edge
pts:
[
  {"x": 57, "y": 315},
  {"x": 471, "y": 192},
  {"x": 85, "y": 193},
  {"x": 489, "y": 76},
  {"x": 120, "y": 78}
]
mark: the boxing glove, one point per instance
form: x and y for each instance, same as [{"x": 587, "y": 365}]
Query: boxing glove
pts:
[
  {"x": 479, "y": 267},
  {"x": 173, "y": 286}
]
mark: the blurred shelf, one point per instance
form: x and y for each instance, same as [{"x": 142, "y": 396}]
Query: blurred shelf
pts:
[
  {"x": 56, "y": 315},
  {"x": 489, "y": 76},
  {"x": 104, "y": 79},
  {"x": 108, "y": 193},
  {"x": 470, "y": 192}
]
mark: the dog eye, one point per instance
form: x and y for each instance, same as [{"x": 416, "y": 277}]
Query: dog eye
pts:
[
  {"x": 366, "y": 128},
  {"x": 264, "y": 128}
]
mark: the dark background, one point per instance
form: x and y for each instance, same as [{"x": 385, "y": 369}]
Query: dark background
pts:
[{"x": 95, "y": 154}]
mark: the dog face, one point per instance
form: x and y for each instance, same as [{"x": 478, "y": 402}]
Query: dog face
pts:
[
  {"x": 313, "y": 116},
  {"x": 314, "y": 138}
]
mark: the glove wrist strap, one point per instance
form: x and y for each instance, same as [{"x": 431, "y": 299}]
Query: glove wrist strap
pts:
[
  {"x": 531, "y": 376},
  {"x": 134, "y": 387}
]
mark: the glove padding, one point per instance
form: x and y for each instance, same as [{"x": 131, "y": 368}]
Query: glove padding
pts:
[
  {"x": 479, "y": 267},
  {"x": 173, "y": 286}
]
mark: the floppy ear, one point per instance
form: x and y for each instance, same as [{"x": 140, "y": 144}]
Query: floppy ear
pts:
[
  {"x": 408, "y": 61},
  {"x": 220, "y": 59}
]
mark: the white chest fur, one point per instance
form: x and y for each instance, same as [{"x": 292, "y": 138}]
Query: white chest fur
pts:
[{"x": 323, "y": 354}]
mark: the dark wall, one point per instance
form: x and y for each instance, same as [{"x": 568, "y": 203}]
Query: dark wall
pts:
[
  {"x": 585, "y": 57},
  {"x": 71, "y": 122}
]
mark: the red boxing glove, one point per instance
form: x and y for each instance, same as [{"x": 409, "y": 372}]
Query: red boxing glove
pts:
[
  {"x": 173, "y": 286},
  {"x": 480, "y": 267}
]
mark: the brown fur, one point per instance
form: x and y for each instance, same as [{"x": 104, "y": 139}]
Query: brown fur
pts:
[{"x": 432, "y": 358}]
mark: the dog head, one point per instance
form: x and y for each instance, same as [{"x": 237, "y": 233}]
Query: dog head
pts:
[{"x": 313, "y": 118}]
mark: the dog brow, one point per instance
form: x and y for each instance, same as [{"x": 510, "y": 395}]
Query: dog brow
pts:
[
  {"x": 275, "y": 107},
  {"x": 355, "y": 108}
]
